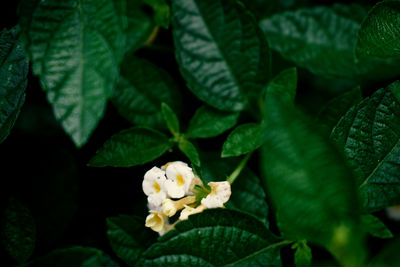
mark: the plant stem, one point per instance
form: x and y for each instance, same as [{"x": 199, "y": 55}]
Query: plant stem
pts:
[{"x": 238, "y": 169}]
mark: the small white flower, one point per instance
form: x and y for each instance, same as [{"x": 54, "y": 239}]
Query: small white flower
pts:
[
  {"x": 156, "y": 221},
  {"x": 180, "y": 177},
  {"x": 153, "y": 186},
  {"x": 187, "y": 211},
  {"x": 220, "y": 194},
  {"x": 393, "y": 213}
]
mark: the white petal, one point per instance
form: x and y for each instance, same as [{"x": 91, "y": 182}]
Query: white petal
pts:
[
  {"x": 174, "y": 190},
  {"x": 220, "y": 194},
  {"x": 157, "y": 199},
  {"x": 181, "y": 174},
  {"x": 153, "y": 181}
]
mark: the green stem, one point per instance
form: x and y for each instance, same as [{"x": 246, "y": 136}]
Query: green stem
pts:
[{"x": 238, "y": 169}]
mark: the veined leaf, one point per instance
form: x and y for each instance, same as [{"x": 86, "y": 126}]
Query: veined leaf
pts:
[
  {"x": 129, "y": 237},
  {"x": 216, "y": 238},
  {"x": 130, "y": 147},
  {"x": 369, "y": 136},
  {"x": 76, "y": 256},
  {"x": 141, "y": 90},
  {"x": 322, "y": 40},
  {"x": 379, "y": 34},
  {"x": 243, "y": 139},
  {"x": 18, "y": 231},
  {"x": 190, "y": 151},
  {"x": 209, "y": 122},
  {"x": 221, "y": 53},
  {"x": 75, "y": 47},
  {"x": 312, "y": 189},
  {"x": 170, "y": 119},
  {"x": 13, "y": 79},
  {"x": 375, "y": 227}
]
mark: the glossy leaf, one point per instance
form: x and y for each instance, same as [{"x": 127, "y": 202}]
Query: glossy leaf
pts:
[
  {"x": 141, "y": 90},
  {"x": 130, "y": 147},
  {"x": 209, "y": 122},
  {"x": 18, "y": 231},
  {"x": 243, "y": 139},
  {"x": 129, "y": 237},
  {"x": 75, "y": 47},
  {"x": 312, "y": 189},
  {"x": 13, "y": 79},
  {"x": 216, "y": 238},
  {"x": 170, "y": 119},
  {"x": 369, "y": 136},
  {"x": 379, "y": 34},
  {"x": 303, "y": 254},
  {"x": 221, "y": 53},
  {"x": 322, "y": 40},
  {"x": 190, "y": 151},
  {"x": 75, "y": 256},
  {"x": 375, "y": 227}
]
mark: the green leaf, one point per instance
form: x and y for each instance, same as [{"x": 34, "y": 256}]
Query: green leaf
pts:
[
  {"x": 75, "y": 47},
  {"x": 130, "y": 147},
  {"x": 388, "y": 257},
  {"x": 209, "y": 122},
  {"x": 75, "y": 256},
  {"x": 379, "y": 34},
  {"x": 18, "y": 231},
  {"x": 190, "y": 151},
  {"x": 285, "y": 83},
  {"x": 369, "y": 136},
  {"x": 129, "y": 237},
  {"x": 243, "y": 139},
  {"x": 331, "y": 113},
  {"x": 221, "y": 53},
  {"x": 375, "y": 227},
  {"x": 161, "y": 12},
  {"x": 322, "y": 40},
  {"x": 13, "y": 79},
  {"x": 247, "y": 193},
  {"x": 141, "y": 89},
  {"x": 307, "y": 179},
  {"x": 303, "y": 255},
  {"x": 216, "y": 237},
  {"x": 170, "y": 119}
]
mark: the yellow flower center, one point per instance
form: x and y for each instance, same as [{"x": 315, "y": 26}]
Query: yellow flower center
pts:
[
  {"x": 179, "y": 180},
  {"x": 156, "y": 187}
]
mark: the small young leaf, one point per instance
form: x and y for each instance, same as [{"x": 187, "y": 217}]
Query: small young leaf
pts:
[
  {"x": 215, "y": 238},
  {"x": 222, "y": 60},
  {"x": 243, "y": 139},
  {"x": 141, "y": 90},
  {"x": 170, "y": 119},
  {"x": 13, "y": 79},
  {"x": 375, "y": 227},
  {"x": 379, "y": 34},
  {"x": 209, "y": 122},
  {"x": 190, "y": 151},
  {"x": 129, "y": 237},
  {"x": 18, "y": 231},
  {"x": 75, "y": 47},
  {"x": 369, "y": 136},
  {"x": 130, "y": 147},
  {"x": 303, "y": 255},
  {"x": 75, "y": 256},
  {"x": 161, "y": 12}
]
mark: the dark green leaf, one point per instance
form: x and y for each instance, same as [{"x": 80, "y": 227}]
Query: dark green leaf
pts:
[
  {"x": 161, "y": 12},
  {"x": 170, "y": 119},
  {"x": 243, "y": 139},
  {"x": 130, "y": 147},
  {"x": 380, "y": 32},
  {"x": 18, "y": 231},
  {"x": 216, "y": 238},
  {"x": 388, "y": 257},
  {"x": 141, "y": 89},
  {"x": 331, "y": 113},
  {"x": 129, "y": 237},
  {"x": 221, "y": 53},
  {"x": 313, "y": 190},
  {"x": 247, "y": 193},
  {"x": 322, "y": 40},
  {"x": 76, "y": 256},
  {"x": 303, "y": 255},
  {"x": 209, "y": 122},
  {"x": 13, "y": 79},
  {"x": 369, "y": 136},
  {"x": 285, "y": 84},
  {"x": 375, "y": 227},
  {"x": 75, "y": 47},
  {"x": 190, "y": 151}
]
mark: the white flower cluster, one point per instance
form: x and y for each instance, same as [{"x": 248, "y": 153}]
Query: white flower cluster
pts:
[{"x": 176, "y": 180}]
